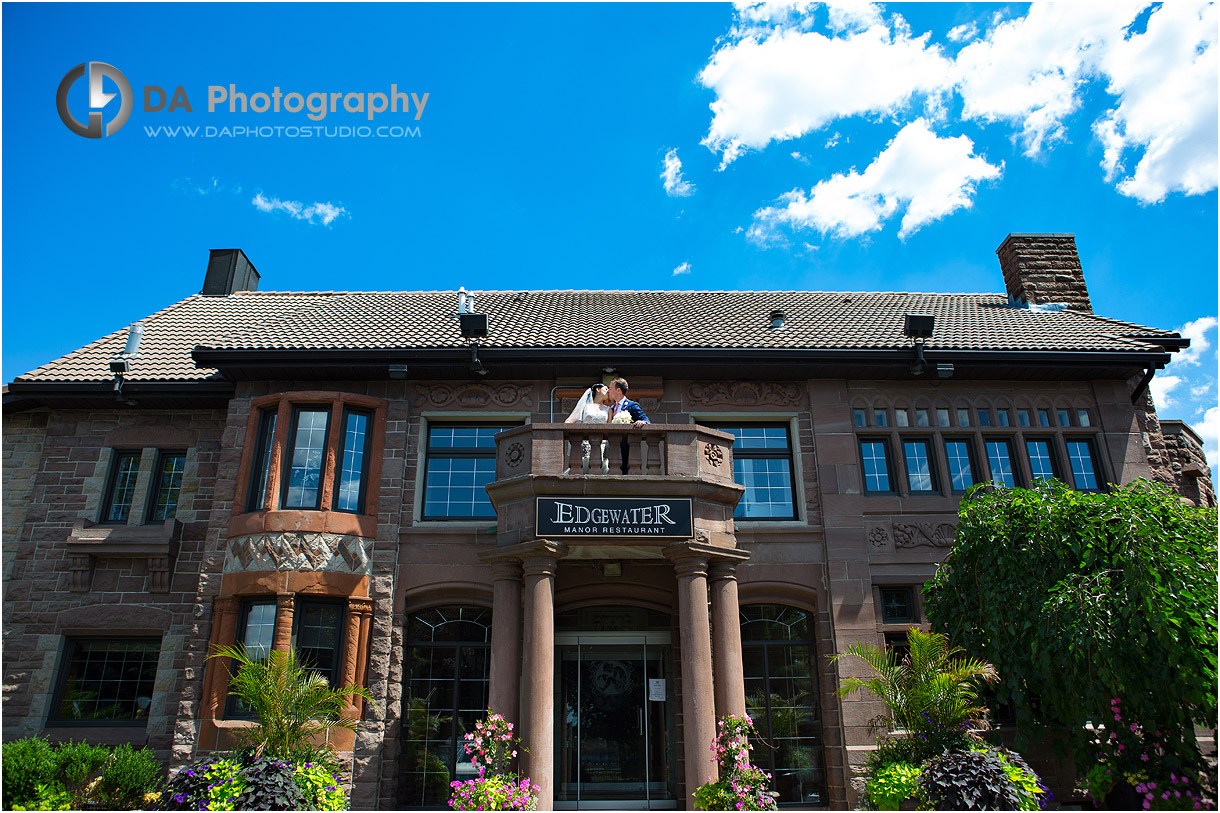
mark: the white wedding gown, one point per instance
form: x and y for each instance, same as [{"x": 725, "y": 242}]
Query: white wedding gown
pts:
[{"x": 589, "y": 411}]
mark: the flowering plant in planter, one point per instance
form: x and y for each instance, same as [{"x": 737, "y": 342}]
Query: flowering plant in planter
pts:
[
  {"x": 1134, "y": 764},
  {"x": 742, "y": 786},
  {"x": 492, "y": 749}
]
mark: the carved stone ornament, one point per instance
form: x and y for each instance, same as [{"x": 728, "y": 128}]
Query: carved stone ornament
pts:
[
  {"x": 714, "y": 455},
  {"x": 299, "y": 550},
  {"x": 913, "y": 535},
  {"x": 475, "y": 396},
  {"x": 513, "y": 455},
  {"x": 745, "y": 393},
  {"x": 879, "y": 537}
]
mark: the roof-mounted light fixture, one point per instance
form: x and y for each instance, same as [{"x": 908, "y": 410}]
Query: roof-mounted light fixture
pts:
[
  {"x": 918, "y": 327},
  {"x": 120, "y": 365},
  {"x": 473, "y": 327}
]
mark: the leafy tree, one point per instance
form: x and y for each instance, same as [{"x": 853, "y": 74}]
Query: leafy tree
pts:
[
  {"x": 293, "y": 704},
  {"x": 1079, "y": 599},
  {"x": 930, "y": 691}
]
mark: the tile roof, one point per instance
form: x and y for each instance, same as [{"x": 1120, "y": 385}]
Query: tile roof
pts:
[{"x": 269, "y": 320}]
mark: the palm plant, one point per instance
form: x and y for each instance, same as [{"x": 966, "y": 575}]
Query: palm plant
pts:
[
  {"x": 929, "y": 691},
  {"x": 293, "y": 704}
]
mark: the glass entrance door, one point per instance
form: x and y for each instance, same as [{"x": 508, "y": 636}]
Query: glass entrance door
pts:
[{"x": 613, "y": 748}]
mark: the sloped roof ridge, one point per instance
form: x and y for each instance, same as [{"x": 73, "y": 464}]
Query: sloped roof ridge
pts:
[{"x": 515, "y": 291}]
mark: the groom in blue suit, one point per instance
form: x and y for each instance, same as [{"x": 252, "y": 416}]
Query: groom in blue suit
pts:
[{"x": 618, "y": 392}]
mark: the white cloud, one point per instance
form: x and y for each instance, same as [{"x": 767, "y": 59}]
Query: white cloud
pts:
[
  {"x": 1197, "y": 332},
  {"x": 782, "y": 84},
  {"x": 684, "y": 268},
  {"x": 1162, "y": 386},
  {"x": 1165, "y": 79},
  {"x": 1186, "y": 388},
  {"x": 671, "y": 174},
  {"x": 1209, "y": 430},
  {"x": 928, "y": 175},
  {"x": 963, "y": 32},
  {"x": 324, "y": 212}
]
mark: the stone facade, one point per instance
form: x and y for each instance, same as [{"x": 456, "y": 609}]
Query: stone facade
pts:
[{"x": 1192, "y": 477}]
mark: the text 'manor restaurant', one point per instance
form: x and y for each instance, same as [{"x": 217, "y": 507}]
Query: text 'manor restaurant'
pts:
[{"x": 385, "y": 483}]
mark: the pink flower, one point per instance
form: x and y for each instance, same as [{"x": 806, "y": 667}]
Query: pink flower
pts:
[{"x": 1121, "y": 746}]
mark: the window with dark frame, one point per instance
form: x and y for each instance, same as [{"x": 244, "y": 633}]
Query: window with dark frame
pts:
[
  {"x": 999, "y": 458},
  {"x": 1041, "y": 459},
  {"x": 898, "y": 605},
  {"x": 262, "y": 460},
  {"x": 875, "y": 458},
  {"x": 859, "y": 417},
  {"x": 255, "y": 633},
  {"x": 1064, "y": 417},
  {"x": 459, "y": 461},
  {"x": 122, "y": 487},
  {"x": 959, "y": 452},
  {"x": 318, "y": 636},
  {"x": 445, "y": 692},
  {"x": 780, "y": 666},
  {"x": 351, "y": 474},
  {"x": 167, "y": 484},
  {"x": 762, "y": 463},
  {"x": 921, "y": 472},
  {"x": 304, "y": 462},
  {"x": 105, "y": 681},
  {"x": 1085, "y": 473}
]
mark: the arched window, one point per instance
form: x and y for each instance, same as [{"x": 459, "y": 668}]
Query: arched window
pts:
[
  {"x": 780, "y": 660},
  {"x": 445, "y": 694}
]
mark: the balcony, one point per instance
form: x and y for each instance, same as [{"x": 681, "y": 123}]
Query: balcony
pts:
[{"x": 678, "y": 462}]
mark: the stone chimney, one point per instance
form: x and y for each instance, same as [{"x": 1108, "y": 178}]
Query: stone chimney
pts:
[
  {"x": 229, "y": 270},
  {"x": 1044, "y": 269}
]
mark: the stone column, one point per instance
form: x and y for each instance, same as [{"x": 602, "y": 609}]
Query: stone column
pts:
[
  {"x": 538, "y": 668},
  {"x": 505, "y": 689},
  {"x": 281, "y": 639},
  {"x": 698, "y": 701},
  {"x": 726, "y": 649},
  {"x": 224, "y": 630},
  {"x": 353, "y": 646}
]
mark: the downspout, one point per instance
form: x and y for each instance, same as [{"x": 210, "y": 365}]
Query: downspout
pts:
[{"x": 1143, "y": 385}]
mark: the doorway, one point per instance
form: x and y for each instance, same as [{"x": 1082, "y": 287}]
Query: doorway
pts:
[{"x": 613, "y": 718}]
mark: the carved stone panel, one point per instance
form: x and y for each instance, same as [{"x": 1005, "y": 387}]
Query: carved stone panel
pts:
[
  {"x": 745, "y": 393},
  {"x": 299, "y": 550},
  {"x": 476, "y": 396},
  {"x": 916, "y": 534}
]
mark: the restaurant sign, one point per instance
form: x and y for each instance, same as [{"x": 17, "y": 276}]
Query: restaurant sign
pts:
[{"x": 619, "y": 517}]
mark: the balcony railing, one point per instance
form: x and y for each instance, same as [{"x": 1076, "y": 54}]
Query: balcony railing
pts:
[{"x": 598, "y": 450}]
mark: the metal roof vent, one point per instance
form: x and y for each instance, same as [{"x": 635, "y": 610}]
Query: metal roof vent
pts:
[{"x": 777, "y": 320}]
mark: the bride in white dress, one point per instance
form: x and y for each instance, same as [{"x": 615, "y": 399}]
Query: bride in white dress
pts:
[{"x": 590, "y": 409}]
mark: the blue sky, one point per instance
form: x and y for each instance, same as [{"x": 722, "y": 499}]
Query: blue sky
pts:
[{"x": 765, "y": 146}]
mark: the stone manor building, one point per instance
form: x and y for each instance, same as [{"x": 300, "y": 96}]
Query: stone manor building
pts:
[{"x": 384, "y": 482}]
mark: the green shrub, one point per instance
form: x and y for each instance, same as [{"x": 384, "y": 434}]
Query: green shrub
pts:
[
  {"x": 77, "y": 762},
  {"x": 967, "y": 780},
  {"x": 27, "y": 764},
  {"x": 321, "y": 787},
  {"x": 127, "y": 777},
  {"x": 892, "y": 784},
  {"x": 252, "y": 783},
  {"x": 49, "y": 796}
]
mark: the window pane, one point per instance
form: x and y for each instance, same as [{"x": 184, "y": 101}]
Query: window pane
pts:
[
  {"x": 1040, "y": 464},
  {"x": 897, "y": 605},
  {"x": 880, "y": 417},
  {"x": 876, "y": 468},
  {"x": 942, "y": 417},
  {"x": 1044, "y": 417},
  {"x": 960, "y": 470},
  {"x": 999, "y": 457},
  {"x": 1064, "y": 417},
  {"x": 349, "y": 493},
  {"x": 308, "y": 454},
  {"x": 919, "y": 468},
  {"x": 963, "y": 417},
  {"x": 757, "y": 437},
  {"x": 454, "y": 487},
  {"x": 319, "y": 635},
  {"x": 260, "y": 628},
  {"x": 984, "y": 417},
  {"x": 262, "y": 461},
  {"x": 1002, "y": 417},
  {"x": 1084, "y": 472},
  {"x": 108, "y": 680},
  {"x": 1082, "y": 417},
  {"x": 123, "y": 486},
  {"x": 168, "y": 484},
  {"x": 445, "y": 694},
  {"x": 901, "y": 417},
  {"x": 1022, "y": 417},
  {"x": 921, "y": 417},
  {"x": 859, "y": 417},
  {"x": 464, "y": 437},
  {"x": 768, "y": 483}
]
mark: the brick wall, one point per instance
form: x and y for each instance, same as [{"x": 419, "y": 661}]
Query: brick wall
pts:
[
  {"x": 24, "y": 433},
  {"x": 1044, "y": 268}
]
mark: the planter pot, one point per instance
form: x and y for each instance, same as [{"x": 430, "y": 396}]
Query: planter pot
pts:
[{"x": 1123, "y": 797}]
